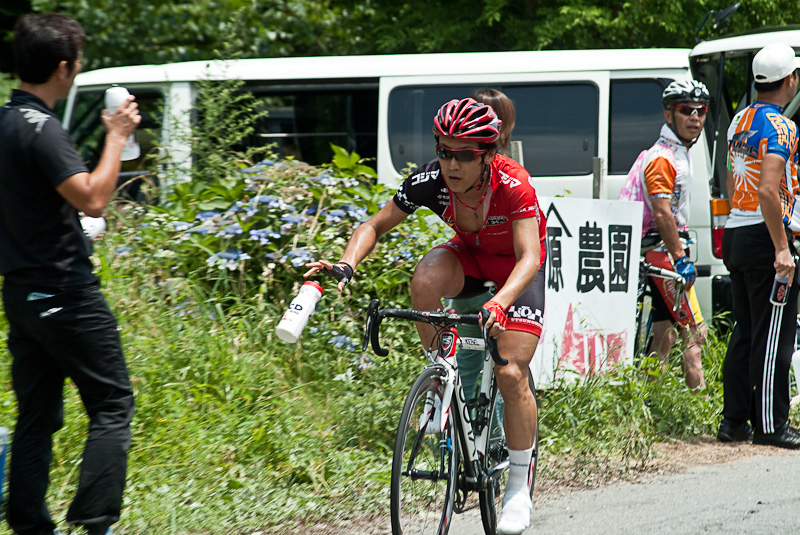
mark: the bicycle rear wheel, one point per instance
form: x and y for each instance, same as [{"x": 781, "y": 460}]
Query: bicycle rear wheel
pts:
[
  {"x": 495, "y": 462},
  {"x": 425, "y": 462}
]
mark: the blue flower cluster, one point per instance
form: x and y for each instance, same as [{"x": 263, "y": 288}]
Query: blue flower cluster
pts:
[{"x": 229, "y": 259}]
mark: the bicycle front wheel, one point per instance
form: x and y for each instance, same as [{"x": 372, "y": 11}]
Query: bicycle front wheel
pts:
[
  {"x": 425, "y": 462},
  {"x": 495, "y": 462}
]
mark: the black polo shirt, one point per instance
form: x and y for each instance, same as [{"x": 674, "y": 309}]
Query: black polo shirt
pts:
[{"x": 41, "y": 239}]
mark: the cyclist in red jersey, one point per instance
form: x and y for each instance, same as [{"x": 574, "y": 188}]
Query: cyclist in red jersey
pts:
[{"x": 490, "y": 202}]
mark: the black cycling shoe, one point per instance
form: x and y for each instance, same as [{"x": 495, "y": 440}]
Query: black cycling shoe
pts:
[
  {"x": 731, "y": 431},
  {"x": 785, "y": 438}
]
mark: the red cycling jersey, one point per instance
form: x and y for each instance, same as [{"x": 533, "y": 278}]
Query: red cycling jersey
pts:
[{"x": 511, "y": 197}]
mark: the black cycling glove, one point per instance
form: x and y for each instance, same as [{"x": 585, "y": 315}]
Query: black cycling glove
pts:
[{"x": 341, "y": 271}]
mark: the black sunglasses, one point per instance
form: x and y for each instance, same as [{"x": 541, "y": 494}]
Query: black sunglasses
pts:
[{"x": 461, "y": 155}]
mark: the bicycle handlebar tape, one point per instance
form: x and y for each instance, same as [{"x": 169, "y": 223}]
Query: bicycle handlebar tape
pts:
[{"x": 685, "y": 268}]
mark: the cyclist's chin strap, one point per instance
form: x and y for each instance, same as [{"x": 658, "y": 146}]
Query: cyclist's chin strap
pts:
[
  {"x": 484, "y": 175},
  {"x": 689, "y": 143}
]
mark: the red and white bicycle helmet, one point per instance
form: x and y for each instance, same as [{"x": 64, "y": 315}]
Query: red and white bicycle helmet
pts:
[{"x": 468, "y": 120}]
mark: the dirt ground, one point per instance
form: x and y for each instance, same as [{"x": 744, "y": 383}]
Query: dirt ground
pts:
[{"x": 669, "y": 458}]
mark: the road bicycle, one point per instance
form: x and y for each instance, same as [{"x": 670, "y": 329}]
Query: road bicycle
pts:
[{"x": 448, "y": 445}]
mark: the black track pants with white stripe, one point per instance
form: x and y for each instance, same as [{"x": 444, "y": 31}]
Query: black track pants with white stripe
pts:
[{"x": 755, "y": 374}]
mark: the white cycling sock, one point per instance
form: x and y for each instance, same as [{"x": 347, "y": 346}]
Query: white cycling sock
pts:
[
  {"x": 519, "y": 471},
  {"x": 517, "y": 506}
]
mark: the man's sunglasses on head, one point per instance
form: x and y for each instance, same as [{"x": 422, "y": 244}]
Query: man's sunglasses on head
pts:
[{"x": 460, "y": 155}]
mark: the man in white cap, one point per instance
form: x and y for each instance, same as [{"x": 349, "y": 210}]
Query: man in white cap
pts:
[{"x": 757, "y": 248}]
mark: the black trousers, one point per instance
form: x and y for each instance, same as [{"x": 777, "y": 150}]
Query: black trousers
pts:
[
  {"x": 755, "y": 374},
  {"x": 54, "y": 335}
]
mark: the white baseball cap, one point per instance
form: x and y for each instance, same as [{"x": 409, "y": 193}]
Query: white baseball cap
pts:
[{"x": 774, "y": 62}]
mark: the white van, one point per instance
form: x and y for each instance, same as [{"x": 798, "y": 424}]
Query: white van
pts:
[{"x": 582, "y": 116}]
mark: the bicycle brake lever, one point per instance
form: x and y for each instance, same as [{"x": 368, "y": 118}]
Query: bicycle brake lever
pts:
[{"x": 491, "y": 343}]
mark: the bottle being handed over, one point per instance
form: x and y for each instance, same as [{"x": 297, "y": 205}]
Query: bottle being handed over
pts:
[
  {"x": 115, "y": 97},
  {"x": 296, "y": 317}
]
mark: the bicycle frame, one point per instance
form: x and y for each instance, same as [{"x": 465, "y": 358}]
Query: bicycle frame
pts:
[{"x": 472, "y": 446}]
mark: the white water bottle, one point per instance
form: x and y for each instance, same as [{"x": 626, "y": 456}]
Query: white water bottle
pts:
[
  {"x": 115, "y": 97},
  {"x": 296, "y": 317}
]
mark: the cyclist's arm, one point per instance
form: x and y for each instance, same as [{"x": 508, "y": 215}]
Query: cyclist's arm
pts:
[
  {"x": 364, "y": 239},
  {"x": 527, "y": 249},
  {"x": 772, "y": 169}
]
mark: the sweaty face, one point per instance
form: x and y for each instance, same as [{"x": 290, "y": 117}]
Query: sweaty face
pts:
[
  {"x": 460, "y": 176},
  {"x": 689, "y": 118}
]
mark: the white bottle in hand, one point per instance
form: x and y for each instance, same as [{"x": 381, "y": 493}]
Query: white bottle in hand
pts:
[
  {"x": 115, "y": 97},
  {"x": 296, "y": 317}
]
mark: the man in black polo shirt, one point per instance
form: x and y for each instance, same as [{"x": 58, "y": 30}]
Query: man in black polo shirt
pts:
[{"x": 59, "y": 323}]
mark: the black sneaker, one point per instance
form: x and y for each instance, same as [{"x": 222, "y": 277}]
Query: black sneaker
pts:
[
  {"x": 731, "y": 431},
  {"x": 785, "y": 438}
]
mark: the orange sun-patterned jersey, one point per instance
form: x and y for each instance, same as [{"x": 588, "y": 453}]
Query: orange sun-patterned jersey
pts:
[{"x": 756, "y": 131}]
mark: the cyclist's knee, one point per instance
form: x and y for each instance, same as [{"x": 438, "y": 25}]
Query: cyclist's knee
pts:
[
  {"x": 511, "y": 379},
  {"x": 435, "y": 277}
]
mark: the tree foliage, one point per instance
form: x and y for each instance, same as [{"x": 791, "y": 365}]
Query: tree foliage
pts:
[
  {"x": 151, "y": 31},
  {"x": 10, "y": 11},
  {"x": 489, "y": 25}
]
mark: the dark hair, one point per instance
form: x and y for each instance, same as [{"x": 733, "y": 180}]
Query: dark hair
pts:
[
  {"x": 43, "y": 41},
  {"x": 503, "y": 107},
  {"x": 768, "y": 87}
]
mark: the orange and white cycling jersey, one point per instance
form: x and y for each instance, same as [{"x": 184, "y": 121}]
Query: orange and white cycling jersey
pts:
[
  {"x": 756, "y": 131},
  {"x": 667, "y": 174}
]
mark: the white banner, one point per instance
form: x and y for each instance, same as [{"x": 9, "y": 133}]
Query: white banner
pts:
[{"x": 590, "y": 299}]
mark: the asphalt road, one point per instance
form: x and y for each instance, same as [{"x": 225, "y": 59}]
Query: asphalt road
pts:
[{"x": 753, "y": 496}]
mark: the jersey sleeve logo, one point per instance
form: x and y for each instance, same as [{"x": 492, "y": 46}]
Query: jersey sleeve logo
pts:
[
  {"x": 778, "y": 122},
  {"x": 424, "y": 177},
  {"x": 35, "y": 117}
]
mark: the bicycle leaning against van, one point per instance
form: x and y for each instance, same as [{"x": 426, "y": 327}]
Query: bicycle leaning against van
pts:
[{"x": 448, "y": 445}]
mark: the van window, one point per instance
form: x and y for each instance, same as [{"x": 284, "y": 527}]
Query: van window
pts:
[
  {"x": 303, "y": 120},
  {"x": 636, "y": 118},
  {"x": 556, "y": 123}
]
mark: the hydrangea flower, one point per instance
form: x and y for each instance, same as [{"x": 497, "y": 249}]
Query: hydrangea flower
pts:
[
  {"x": 228, "y": 259},
  {"x": 181, "y": 226},
  {"x": 342, "y": 341},
  {"x": 206, "y": 215},
  {"x": 325, "y": 179},
  {"x": 298, "y": 257},
  {"x": 264, "y": 236},
  {"x": 231, "y": 230},
  {"x": 335, "y": 216}
]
